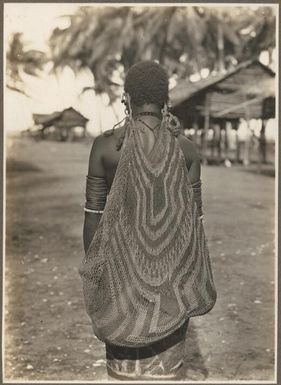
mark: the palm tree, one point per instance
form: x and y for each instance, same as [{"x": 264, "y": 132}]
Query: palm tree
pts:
[
  {"x": 111, "y": 39},
  {"x": 186, "y": 39},
  {"x": 20, "y": 61}
]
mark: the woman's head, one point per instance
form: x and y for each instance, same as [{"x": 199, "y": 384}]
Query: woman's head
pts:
[{"x": 147, "y": 83}]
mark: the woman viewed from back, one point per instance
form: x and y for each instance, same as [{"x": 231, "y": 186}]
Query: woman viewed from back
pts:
[{"x": 146, "y": 269}]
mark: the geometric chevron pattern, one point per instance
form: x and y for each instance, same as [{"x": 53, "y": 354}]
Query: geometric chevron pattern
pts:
[{"x": 148, "y": 267}]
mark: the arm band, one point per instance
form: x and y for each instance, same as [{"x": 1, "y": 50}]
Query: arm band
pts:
[
  {"x": 197, "y": 193},
  {"x": 96, "y": 193}
]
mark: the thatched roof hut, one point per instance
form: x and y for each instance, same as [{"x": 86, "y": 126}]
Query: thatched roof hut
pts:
[
  {"x": 60, "y": 124},
  {"x": 67, "y": 118},
  {"x": 247, "y": 91}
]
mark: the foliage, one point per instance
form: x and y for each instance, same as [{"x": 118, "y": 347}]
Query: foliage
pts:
[
  {"x": 20, "y": 60},
  {"x": 108, "y": 40}
]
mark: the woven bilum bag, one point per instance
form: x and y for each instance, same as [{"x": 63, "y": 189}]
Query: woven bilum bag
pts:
[{"x": 147, "y": 269}]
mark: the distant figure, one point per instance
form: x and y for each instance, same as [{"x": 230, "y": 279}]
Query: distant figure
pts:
[{"x": 147, "y": 268}]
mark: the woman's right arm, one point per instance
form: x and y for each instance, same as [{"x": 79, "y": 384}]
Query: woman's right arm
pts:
[
  {"x": 193, "y": 164},
  {"x": 192, "y": 158}
]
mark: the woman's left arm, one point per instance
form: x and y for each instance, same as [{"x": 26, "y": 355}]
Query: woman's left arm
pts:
[{"x": 95, "y": 192}]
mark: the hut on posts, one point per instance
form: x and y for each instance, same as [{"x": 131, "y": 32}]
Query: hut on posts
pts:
[
  {"x": 245, "y": 92},
  {"x": 61, "y": 124}
]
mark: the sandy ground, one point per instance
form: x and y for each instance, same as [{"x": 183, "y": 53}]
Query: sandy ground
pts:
[{"x": 48, "y": 335}]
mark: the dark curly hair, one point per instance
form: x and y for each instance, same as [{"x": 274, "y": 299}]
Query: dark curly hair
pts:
[{"x": 147, "y": 82}]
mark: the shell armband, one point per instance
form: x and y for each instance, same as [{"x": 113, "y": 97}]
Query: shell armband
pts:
[{"x": 96, "y": 193}]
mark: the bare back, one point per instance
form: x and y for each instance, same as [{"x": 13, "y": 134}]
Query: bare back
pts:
[{"x": 105, "y": 156}]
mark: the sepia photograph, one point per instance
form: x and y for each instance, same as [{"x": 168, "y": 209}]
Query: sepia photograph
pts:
[{"x": 140, "y": 192}]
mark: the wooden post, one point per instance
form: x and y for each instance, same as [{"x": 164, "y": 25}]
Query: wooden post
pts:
[
  {"x": 246, "y": 160},
  {"x": 217, "y": 142},
  {"x": 226, "y": 142},
  {"x": 237, "y": 142},
  {"x": 262, "y": 146},
  {"x": 262, "y": 141},
  {"x": 213, "y": 142},
  {"x": 42, "y": 132}
]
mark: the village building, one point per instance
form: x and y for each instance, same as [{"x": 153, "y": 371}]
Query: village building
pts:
[
  {"x": 61, "y": 125},
  {"x": 220, "y": 102}
]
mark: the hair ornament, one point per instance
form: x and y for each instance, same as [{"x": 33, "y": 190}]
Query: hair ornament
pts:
[{"x": 171, "y": 122}]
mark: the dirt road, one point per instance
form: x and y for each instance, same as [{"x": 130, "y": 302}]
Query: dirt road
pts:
[{"x": 48, "y": 334}]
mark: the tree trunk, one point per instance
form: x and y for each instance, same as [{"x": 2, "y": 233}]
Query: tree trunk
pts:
[
  {"x": 198, "y": 67},
  {"x": 220, "y": 45}
]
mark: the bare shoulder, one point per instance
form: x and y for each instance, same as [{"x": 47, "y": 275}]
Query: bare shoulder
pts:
[
  {"x": 189, "y": 149},
  {"x": 99, "y": 140},
  {"x": 103, "y": 149},
  {"x": 100, "y": 147},
  {"x": 105, "y": 140}
]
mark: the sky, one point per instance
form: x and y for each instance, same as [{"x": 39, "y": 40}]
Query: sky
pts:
[
  {"x": 36, "y": 20},
  {"x": 50, "y": 93}
]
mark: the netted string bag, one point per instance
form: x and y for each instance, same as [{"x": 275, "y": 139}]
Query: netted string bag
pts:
[{"x": 148, "y": 267}]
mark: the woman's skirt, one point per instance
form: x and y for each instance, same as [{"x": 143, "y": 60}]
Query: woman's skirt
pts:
[{"x": 158, "y": 361}]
